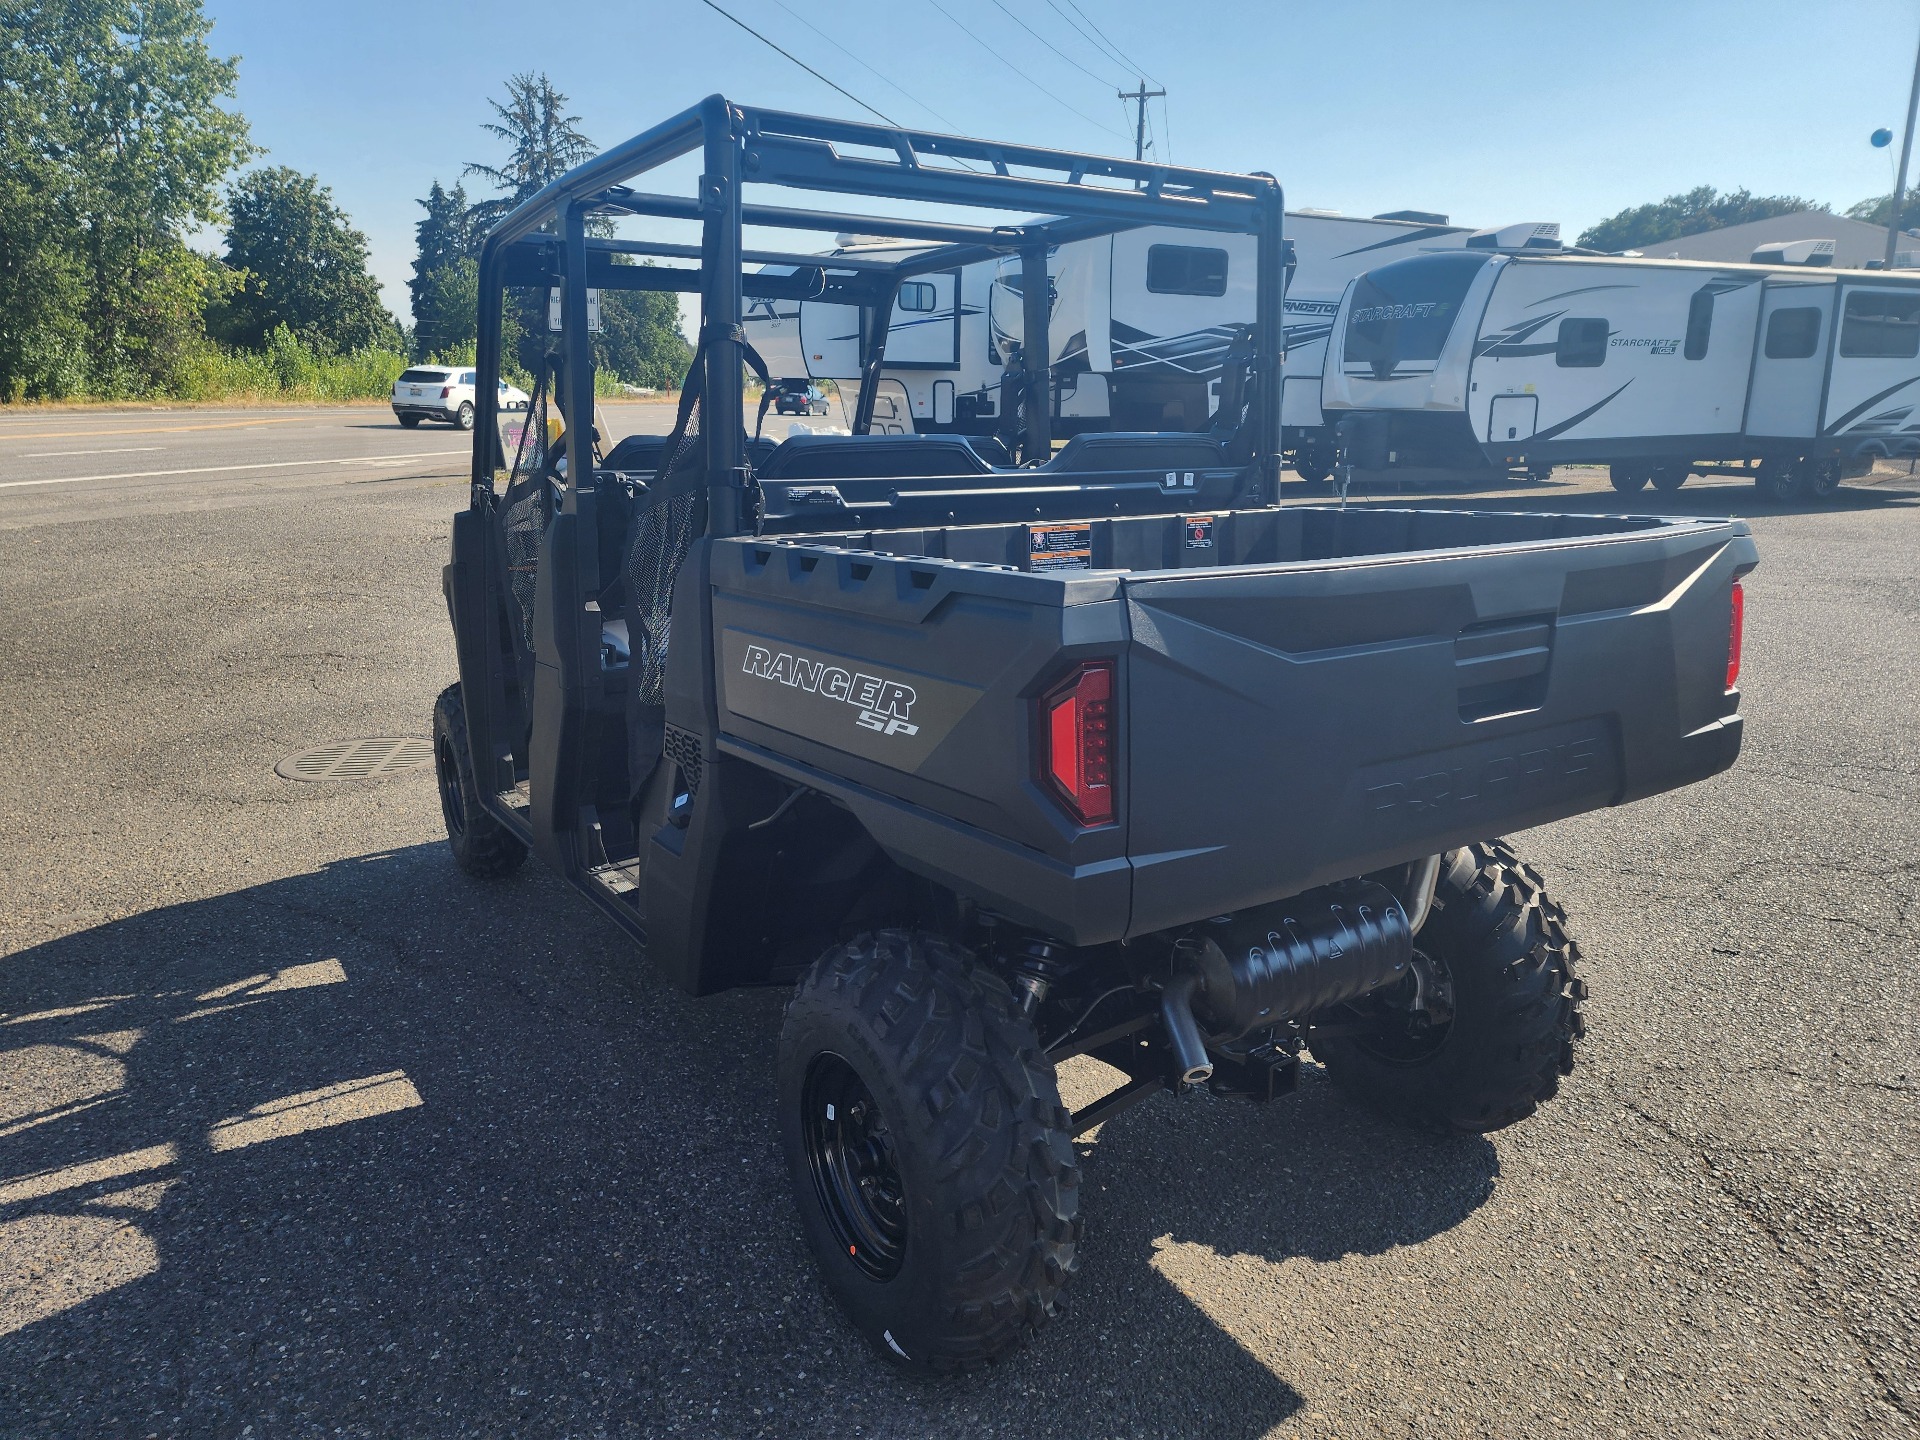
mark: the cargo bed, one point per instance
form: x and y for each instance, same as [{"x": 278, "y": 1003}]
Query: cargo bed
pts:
[{"x": 1301, "y": 694}]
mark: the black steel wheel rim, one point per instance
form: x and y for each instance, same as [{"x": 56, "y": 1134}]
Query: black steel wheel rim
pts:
[
  {"x": 453, "y": 805},
  {"x": 1408, "y": 1022},
  {"x": 850, "y": 1154}
]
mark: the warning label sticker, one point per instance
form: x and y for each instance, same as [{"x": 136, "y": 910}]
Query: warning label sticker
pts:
[
  {"x": 1059, "y": 547},
  {"x": 1199, "y": 532}
]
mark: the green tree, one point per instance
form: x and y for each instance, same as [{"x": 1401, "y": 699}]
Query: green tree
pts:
[
  {"x": 301, "y": 264},
  {"x": 114, "y": 139},
  {"x": 446, "y": 311},
  {"x": 640, "y": 341},
  {"x": 543, "y": 143},
  {"x": 1697, "y": 210},
  {"x": 1875, "y": 210},
  {"x": 447, "y": 236}
]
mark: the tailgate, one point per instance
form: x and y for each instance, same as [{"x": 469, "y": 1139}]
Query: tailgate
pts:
[{"x": 1292, "y": 724}]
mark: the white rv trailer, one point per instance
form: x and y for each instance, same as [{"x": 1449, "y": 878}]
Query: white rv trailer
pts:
[
  {"x": 1141, "y": 323},
  {"x": 1659, "y": 368}
]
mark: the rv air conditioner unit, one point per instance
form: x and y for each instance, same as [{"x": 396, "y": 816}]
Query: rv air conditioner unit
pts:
[
  {"x": 1516, "y": 237},
  {"x": 1795, "y": 252}
]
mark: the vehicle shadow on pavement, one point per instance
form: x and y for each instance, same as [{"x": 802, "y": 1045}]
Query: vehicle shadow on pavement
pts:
[{"x": 384, "y": 1150}]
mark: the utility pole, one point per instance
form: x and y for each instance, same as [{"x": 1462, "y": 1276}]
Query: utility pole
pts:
[
  {"x": 1142, "y": 95},
  {"x": 1906, "y": 149}
]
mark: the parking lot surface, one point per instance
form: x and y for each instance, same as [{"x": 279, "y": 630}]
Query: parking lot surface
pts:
[{"x": 302, "y": 1132}]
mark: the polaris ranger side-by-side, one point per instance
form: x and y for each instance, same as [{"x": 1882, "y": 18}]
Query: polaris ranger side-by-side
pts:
[{"x": 1002, "y": 759}]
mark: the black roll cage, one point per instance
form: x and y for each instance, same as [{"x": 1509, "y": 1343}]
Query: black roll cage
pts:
[{"x": 544, "y": 241}]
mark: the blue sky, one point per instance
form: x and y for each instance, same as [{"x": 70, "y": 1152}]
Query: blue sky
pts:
[{"x": 1489, "y": 112}]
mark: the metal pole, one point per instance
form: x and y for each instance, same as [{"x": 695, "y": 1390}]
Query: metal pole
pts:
[
  {"x": 1906, "y": 150},
  {"x": 720, "y": 420},
  {"x": 1036, "y": 349}
]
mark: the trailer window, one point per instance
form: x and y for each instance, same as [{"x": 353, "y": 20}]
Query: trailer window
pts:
[
  {"x": 1793, "y": 334},
  {"x": 1880, "y": 325},
  {"x": 1699, "y": 323},
  {"x": 917, "y": 295},
  {"x": 1400, "y": 315},
  {"x": 1186, "y": 270},
  {"x": 1582, "y": 344}
]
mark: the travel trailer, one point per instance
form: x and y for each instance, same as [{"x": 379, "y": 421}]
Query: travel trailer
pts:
[
  {"x": 1140, "y": 324},
  {"x": 1794, "y": 374}
]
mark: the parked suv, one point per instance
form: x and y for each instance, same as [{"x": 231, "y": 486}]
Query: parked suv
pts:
[
  {"x": 444, "y": 392},
  {"x": 797, "y": 397}
]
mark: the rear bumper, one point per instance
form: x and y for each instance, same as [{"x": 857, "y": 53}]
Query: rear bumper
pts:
[{"x": 429, "y": 412}]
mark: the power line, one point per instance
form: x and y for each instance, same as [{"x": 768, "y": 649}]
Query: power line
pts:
[
  {"x": 1130, "y": 64},
  {"x": 1050, "y": 45},
  {"x": 804, "y": 66},
  {"x": 877, "y": 74},
  {"x": 1166, "y": 129},
  {"x": 1105, "y": 49},
  {"x": 1016, "y": 70}
]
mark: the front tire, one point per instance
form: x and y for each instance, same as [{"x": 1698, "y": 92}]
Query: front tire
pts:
[
  {"x": 482, "y": 846},
  {"x": 1479, "y": 1033},
  {"x": 1669, "y": 478},
  {"x": 931, "y": 1159}
]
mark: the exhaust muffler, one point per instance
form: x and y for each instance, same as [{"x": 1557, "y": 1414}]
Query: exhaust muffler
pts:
[{"x": 1276, "y": 962}]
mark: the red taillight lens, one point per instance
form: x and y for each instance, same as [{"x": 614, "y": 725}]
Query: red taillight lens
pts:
[
  {"x": 445, "y": 391},
  {"x": 1076, "y": 731},
  {"x": 1733, "y": 634}
]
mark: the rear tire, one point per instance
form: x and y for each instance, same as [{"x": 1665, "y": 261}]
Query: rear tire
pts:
[
  {"x": 463, "y": 417},
  {"x": 932, "y": 1161},
  {"x": 1778, "y": 480},
  {"x": 1627, "y": 479},
  {"x": 1480, "y": 1034},
  {"x": 409, "y": 422},
  {"x": 1820, "y": 478},
  {"x": 482, "y": 846}
]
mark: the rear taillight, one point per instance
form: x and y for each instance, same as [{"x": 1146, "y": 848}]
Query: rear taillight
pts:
[
  {"x": 1733, "y": 634},
  {"x": 445, "y": 391},
  {"x": 1076, "y": 742}
]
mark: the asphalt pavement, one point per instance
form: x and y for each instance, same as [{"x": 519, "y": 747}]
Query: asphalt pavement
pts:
[{"x": 304, "y": 1133}]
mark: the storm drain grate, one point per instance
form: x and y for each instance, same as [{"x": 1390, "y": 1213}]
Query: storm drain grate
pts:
[{"x": 371, "y": 759}]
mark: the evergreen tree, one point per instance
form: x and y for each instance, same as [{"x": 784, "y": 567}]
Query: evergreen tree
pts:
[
  {"x": 640, "y": 340},
  {"x": 300, "y": 264},
  {"x": 447, "y": 236},
  {"x": 543, "y": 143}
]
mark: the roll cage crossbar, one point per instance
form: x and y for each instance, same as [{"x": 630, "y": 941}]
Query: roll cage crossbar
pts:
[{"x": 544, "y": 241}]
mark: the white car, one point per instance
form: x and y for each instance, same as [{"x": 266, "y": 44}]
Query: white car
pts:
[{"x": 444, "y": 392}]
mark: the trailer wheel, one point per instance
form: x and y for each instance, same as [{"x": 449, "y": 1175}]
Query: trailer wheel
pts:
[
  {"x": 1668, "y": 478},
  {"x": 1626, "y": 478},
  {"x": 1313, "y": 464},
  {"x": 932, "y": 1161},
  {"x": 482, "y": 846},
  {"x": 1481, "y": 1030},
  {"x": 1778, "y": 480},
  {"x": 1820, "y": 477}
]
